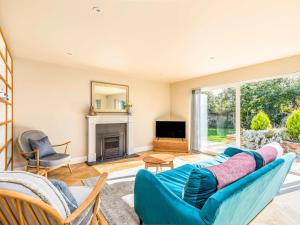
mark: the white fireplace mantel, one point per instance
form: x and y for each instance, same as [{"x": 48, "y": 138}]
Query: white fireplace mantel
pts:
[{"x": 92, "y": 121}]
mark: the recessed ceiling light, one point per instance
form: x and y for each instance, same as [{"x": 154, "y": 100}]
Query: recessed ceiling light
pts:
[
  {"x": 96, "y": 9},
  {"x": 212, "y": 58},
  {"x": 69, "y": 53}
]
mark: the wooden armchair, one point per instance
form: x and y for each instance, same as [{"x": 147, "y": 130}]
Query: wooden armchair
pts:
[
  {"x": 32, "y": 157},
  {"x": 21, "y": 209}
]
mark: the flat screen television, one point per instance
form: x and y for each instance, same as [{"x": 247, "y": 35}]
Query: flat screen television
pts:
[{"x": 170, "y": 129}]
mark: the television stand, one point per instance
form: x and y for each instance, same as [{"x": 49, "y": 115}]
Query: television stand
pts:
[{"x": 170, "y": 145}]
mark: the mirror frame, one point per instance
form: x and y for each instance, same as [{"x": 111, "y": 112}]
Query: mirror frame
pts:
[{"x": 126, "y": 87}]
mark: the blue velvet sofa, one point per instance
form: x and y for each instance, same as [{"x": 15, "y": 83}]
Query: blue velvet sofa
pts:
[{"x": 158, "y": 198}]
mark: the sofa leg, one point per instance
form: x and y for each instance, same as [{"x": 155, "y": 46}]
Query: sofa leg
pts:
[{"x": 141, "y": 221}]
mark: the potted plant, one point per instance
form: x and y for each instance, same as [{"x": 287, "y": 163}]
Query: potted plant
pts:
[{"x": 292, "y": 139}]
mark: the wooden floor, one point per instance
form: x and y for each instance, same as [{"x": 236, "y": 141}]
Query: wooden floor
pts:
[{"x": 283, "y": 210}]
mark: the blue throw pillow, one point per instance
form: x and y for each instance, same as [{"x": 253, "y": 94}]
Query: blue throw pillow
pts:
[
  {"x": 66, "y": 193},
  {"x": 200, "y": 186},
  {"x": 43, "y": 145},
  {"x": 231, "y": 151}
]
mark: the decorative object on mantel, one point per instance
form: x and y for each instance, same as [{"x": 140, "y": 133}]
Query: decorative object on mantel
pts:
[
  {"x": 92, "y": 111},
  {"x": 128, "y": 107}
]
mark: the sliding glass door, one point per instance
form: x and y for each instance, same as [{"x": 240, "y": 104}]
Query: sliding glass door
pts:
[{"x": 216, "y": 119}]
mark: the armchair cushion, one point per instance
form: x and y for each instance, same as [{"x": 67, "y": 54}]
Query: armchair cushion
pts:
[
  {"x": 52, "y": 160},
  {"x": 81, "y": 193},
  {"x": 36, "y": 186},
  {"x": 43, "y": 145}
]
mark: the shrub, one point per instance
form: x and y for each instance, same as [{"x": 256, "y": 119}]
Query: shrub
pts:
[
  {"x": 261, "y": 121},
  {"x": 255, "y": 139},
  {"x": 293, "y": 125}
]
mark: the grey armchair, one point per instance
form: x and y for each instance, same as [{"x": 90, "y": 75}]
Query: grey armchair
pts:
[{"x": 47, "y": 163}]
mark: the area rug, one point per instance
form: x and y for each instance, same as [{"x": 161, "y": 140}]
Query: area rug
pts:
[{"x": 117, "y": 203}]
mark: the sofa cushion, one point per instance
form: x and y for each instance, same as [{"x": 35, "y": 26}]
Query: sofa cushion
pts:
[
  {"x": 66, "y": 193},
  {"x": 199, "y": 187},
  {"x": 43, "y": 145},
  {"x": 176, "y": 179},
  {"x": 52, "y": 160},
  {"x": 233, "y": 169}
]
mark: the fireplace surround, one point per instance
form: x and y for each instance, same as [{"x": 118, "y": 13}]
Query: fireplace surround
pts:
[{"x": 111, "y": 137}]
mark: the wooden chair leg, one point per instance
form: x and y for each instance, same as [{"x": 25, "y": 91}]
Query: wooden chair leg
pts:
[
  {"x": 98, "y": 217},
  {"x": 70, "y": 169}
]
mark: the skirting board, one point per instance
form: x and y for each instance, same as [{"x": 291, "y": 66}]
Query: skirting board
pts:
[
  {"x": 143, "y": 149},
  {"x": 80, "y": 159}
]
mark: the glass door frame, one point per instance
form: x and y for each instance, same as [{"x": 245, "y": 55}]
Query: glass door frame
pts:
[{"x": 237, "y": 88}]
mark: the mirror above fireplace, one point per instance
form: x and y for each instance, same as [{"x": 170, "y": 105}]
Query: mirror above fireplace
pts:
[{"x": 109, "y": 98}]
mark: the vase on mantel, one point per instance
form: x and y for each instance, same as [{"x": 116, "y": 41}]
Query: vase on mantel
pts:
[
  {"x": 128, "y": 107},
  {"x": 92, "y": 111}
]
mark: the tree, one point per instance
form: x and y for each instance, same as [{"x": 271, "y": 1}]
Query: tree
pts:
[{"x": 277, "y": 97}]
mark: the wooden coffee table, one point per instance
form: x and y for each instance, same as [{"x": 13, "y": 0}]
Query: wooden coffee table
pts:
[{"x": 159, "y": 161}]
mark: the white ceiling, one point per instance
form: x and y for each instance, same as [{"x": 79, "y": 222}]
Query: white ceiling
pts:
[{"x": 166, "y": 40}]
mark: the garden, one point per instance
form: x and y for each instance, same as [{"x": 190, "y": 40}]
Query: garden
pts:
[{"x": 270, "y": 111}]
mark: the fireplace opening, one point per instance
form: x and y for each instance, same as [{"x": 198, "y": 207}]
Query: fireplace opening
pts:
[{"x": 110, "y": 141}]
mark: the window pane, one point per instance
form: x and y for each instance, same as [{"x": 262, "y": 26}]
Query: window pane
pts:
[{"x": 218, "y": 119}]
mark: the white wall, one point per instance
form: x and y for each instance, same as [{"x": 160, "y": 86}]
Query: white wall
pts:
[{"x": 56, "y": 99}]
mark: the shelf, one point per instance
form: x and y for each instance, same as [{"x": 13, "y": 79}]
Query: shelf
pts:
[
  {"x": 4, "y": 101},
  {"x": 5, "y": 122},
  {"x": 5, "y": 82},
  {"x": 4, "y": 146},
  {"x": 2, "y": 56}
]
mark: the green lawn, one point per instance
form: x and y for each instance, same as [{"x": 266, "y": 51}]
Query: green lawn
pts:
[{"x": 221, "y": 137}]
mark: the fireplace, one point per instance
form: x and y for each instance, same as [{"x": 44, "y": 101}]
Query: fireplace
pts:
[
  {"x": 102, "y": 126},
  {"x": 110, "y": 141}
]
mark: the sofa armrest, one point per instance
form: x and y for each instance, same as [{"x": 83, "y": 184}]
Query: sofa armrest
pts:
[{"x": 156, "y": 204}]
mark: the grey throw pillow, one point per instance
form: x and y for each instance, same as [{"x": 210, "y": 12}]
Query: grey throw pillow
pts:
[
  {"x": 43, "y": 145},
  {"x": 66, "y": 193}
]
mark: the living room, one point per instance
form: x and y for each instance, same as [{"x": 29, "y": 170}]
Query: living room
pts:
[{"x": 140, "y": 93}]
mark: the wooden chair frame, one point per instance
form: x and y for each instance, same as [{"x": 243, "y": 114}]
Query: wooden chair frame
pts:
[
  {"x": 46, "y": 210},
  {"x": 37, "y": 157}
]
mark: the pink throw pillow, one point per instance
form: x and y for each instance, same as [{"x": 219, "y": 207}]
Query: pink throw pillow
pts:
[{"x": 233, "y": 169}]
